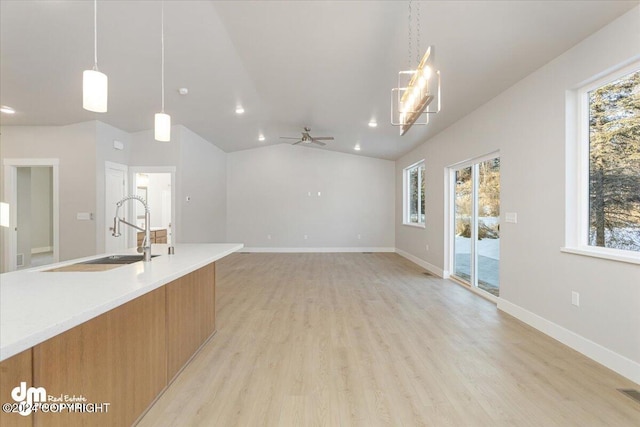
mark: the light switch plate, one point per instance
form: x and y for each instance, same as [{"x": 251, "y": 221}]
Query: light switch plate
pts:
[
  {"x": 511, "y": 217},
  {"x": 84, "y": 216}
]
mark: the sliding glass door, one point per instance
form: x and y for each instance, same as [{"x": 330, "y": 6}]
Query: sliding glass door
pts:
[
  {"x": 476, "y": 223},
  {"x": 463, "y": 214}
]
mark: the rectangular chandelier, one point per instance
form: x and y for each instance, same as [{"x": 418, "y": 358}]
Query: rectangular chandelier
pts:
[{"x": 412, "y": 102}]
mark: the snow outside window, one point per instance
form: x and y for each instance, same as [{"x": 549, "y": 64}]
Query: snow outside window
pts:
[
  {"x": 607, "y": 165},
  {"x": 414, "y": 204}
]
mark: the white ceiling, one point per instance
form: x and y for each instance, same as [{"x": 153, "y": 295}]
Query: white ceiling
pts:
[{"x": 329, "y": 65}]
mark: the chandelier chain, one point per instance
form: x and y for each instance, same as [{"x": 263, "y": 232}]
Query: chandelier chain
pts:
[
  {"x": 95, "y": 35},
  {"x": 410, "y": 51},
  {"x": 418, "y": 33}
]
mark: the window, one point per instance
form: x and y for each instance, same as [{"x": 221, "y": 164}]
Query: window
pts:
[
  {"x": 614, "y": 164},
  {"x": 414, "y": 194},
  {"x": 608, "y": 153}
]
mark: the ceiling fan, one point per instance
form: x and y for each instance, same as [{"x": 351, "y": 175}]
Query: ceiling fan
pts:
[{"x": 306, "y": 138}]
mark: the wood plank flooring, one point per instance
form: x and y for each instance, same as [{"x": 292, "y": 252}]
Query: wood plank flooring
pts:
[{"x": 369, "y": 340}]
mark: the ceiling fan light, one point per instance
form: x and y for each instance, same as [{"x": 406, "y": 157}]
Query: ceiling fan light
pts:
[
  {"x": 162, "y": 127},
  {"x": 94, "y": 91}
]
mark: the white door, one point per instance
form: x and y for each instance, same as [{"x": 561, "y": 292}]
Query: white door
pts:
[{"x": 115, "y": 182}]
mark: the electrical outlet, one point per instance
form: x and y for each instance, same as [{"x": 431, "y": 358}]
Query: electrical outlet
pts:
[
  {"x": 359, "y": 237},
  {"x": 575, "y": 298},
  {"x": 268, "y": 236},
  {"x": 426, "y": 247},
  {"x": 305, "y": 237}
]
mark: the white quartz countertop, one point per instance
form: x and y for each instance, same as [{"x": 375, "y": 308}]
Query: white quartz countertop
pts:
[{"x": 36, "y": 305}]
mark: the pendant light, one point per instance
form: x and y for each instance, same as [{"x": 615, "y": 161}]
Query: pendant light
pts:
[
  {"x": 418, "y": 92},
  {"x": 162, "y": 120},
  {"x": 94, "y": 83}
]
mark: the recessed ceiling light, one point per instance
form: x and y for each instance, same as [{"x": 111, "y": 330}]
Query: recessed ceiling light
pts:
[
  {"x": 373, "y": 124},
  {"x": 7, "y": 110},
  {"x": 261, "y": 138},
  {"x": 239, "y": 109},
  {"x": 357, "y": 147}
]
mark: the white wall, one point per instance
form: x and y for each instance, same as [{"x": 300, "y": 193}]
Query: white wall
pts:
[
  {"x": 527, "y": 124},
  {"x": 200, "y": 174},
  {"x": 268, "y": 194},
  {"x": 105, "y": 135},
  {"x": 202, "y": 178},
  {"x": 75, "y": 147}
]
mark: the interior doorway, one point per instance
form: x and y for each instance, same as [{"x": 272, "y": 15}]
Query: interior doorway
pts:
[
  {"x": 157, "y": 186},
  {"x": 475, "y": 223},
  {"x": 31, "y": 190}
]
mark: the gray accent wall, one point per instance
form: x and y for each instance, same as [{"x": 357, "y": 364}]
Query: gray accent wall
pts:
[{"x": 273, "y": 191}]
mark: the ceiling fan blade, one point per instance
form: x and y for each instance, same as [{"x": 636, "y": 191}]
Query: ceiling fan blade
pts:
[
  {"x": 323, "y": 138},
  {"x": 298, "y": 142},
  {"x": 288, "y": 137},
  {"x": 318, "y": 142}
]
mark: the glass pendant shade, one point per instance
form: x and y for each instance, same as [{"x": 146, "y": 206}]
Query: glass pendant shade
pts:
[
  {"x": 163, "y": 127},
  {"x": 94, "y": 91},
  {"x": 4, "y": 214}
]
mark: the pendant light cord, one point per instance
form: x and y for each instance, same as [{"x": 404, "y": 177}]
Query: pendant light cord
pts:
[
  {"x": 95, "y": 35},
  {"x": 162, "y": 43}
]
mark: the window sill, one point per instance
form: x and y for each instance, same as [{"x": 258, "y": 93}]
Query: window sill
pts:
[
  {"x": 412, "y": 224},
  {"x": 604, "y": 254}
]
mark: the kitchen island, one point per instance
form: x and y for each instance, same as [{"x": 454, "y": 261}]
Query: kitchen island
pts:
[{"x": 115, "y": 337}]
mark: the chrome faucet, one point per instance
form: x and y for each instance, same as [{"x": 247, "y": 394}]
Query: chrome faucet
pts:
[{"x": 146, "y": 243}]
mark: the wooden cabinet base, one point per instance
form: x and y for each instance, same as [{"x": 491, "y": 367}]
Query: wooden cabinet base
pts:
[
  {"x": 116, "y": 362},
  {"x": 190, "y": 316},
  {"x": 13, "y": 371}
]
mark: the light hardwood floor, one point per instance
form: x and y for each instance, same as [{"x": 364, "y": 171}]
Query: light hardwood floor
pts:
[{"x": 369, "y": 340}]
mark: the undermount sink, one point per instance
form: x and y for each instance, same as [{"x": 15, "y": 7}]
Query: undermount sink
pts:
[
  {"x": 117, "y": 259},
  {"x": 100, "y": 264}
]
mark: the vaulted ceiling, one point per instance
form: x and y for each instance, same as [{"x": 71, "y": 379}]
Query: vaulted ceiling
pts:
[{"x": 328, "y": 65}]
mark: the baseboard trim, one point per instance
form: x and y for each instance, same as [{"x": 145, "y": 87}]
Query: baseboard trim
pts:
[
  {"x": 422, "y": 263},
  {"x": 41, "y": 250},
  {"x": 614, "y": 361},
  {"x": 311, "y": 250}
]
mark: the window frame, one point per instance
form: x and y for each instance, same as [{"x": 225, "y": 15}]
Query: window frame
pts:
[
  {"x": 577, "y": 172},
  {"x": 406, "y": 192}
]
